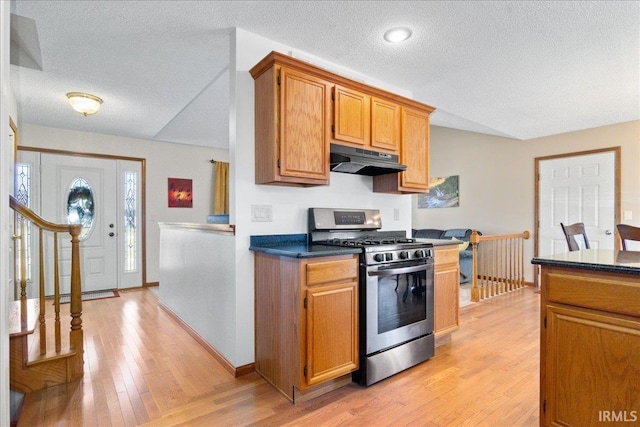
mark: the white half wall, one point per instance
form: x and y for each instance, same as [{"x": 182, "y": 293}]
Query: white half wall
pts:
[
  {"x": 163, "y": 161},
  {"x": 197, "y": 282}
]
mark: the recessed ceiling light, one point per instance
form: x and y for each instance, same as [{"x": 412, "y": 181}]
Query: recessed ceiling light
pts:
[{"x": 397, "y": 35}]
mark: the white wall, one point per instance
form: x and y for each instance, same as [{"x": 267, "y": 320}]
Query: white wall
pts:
[
  {"x": 497, "y": 177},
  {"x": 5, "y": 231},
  {"x": 290, "y": 204},
  {"x": 163, "y": 160}
]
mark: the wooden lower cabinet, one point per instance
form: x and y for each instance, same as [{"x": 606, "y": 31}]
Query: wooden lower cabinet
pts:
[
  {"x": 306, "y": 322},
  {"x": 446, "y": 292},
  {"x": 590, "y": 348}
]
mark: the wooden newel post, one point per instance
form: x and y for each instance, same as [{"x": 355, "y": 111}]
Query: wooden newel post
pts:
[
  {"x": 76, "y": 335},
  {"x": 475, "y": 291},
  {"x": 76, "y": 287}
]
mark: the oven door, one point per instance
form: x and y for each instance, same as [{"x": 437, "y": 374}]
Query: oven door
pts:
[{"x": 399, "y": 303}]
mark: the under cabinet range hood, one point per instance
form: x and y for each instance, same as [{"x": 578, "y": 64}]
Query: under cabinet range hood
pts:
[{"x": 358, "y": 161}]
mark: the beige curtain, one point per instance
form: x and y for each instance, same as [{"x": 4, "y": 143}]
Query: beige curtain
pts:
[{"x": 221, "y": 189}]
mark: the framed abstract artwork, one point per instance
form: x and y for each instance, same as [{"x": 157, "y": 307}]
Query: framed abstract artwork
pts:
[{"x": 180, "y": 193}]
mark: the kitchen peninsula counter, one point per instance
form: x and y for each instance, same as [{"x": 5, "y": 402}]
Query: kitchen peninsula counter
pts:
[
  {"x": 606, "y": 261},
  {"x": 589, "y": 337}
]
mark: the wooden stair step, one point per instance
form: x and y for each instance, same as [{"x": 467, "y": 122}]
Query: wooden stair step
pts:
[
  {"x": 49, "y": 356},
  {"x": 23, "y": 316}
]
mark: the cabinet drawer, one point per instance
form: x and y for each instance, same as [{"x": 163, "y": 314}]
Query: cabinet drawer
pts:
[
  {"x": 592, "y": 291},
  {"x": 332, "y": 271},
  {"x": 446, "y": 255}
]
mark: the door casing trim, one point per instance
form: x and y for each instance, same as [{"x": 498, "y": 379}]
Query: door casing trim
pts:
[{"x": 143, "y": 213}]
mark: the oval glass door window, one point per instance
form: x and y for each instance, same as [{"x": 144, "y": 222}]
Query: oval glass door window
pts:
[{"x": 80, "y": 206}]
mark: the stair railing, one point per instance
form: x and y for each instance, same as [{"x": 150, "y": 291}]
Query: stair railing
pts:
[
  {"x": 23, "y": 215},
  {"x": 498, "y": 264}
]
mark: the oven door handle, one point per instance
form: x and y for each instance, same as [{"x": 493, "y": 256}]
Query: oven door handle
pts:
[{"x": 402, "y": 270}]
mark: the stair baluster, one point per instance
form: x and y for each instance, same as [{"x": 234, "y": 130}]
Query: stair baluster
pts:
[{"x": 44, "y": 368}]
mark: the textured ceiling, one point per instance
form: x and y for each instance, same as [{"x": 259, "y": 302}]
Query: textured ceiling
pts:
[{"x": 510, "y": 68}]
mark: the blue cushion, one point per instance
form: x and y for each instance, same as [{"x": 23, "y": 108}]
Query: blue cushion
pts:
[
  {"x": 427, "y": 233},
  {"x": 458, "y": 233}
]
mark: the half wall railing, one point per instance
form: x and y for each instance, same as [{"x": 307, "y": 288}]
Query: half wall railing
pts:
[{"x": 498, "y": 264}]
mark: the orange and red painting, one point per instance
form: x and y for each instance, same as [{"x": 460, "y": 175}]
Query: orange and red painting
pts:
[{"x": 180, "y": 193}]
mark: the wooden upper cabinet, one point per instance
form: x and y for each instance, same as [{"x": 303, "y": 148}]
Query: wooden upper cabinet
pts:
[
  {"x": 364, "y": 121},
  {"x": 385, "y": 125},
  {"x": 292, "y": 128},
  {"x": 414, "y": 152},
  {"x": 352, "y": 115},
  {"x": 294, "y": 117},
  {"x": 304, "y": 126}
]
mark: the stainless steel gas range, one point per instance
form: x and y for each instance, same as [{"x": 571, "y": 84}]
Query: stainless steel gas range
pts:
[{"x": 395, "y": 288}]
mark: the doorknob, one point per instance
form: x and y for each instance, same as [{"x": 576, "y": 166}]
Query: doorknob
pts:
[
  {"x": 112, "y": 234},
  {"x": 110, "y": 225},
  {"x": 608, "y": 232}
]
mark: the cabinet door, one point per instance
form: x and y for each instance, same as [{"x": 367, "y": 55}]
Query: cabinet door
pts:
[
  {"x": 385, "y": 125},
  {"x": 592, "y": 367},
  {"x": 414, "y": 151},
  {"x": 446, "y": 290},
  {"x": 352, "y": 115},
  {"x": 304, "y": 126},
  {"x": 446, "y": 299},
  {"x": 332, "y": 331}
]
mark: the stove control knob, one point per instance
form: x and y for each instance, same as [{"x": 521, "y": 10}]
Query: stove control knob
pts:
[
  {"x": 404, "y": 255},
  {"x": 389, "y": 256},
  {"x": 419, "y": 253},
  {"x": 378, "y": 257}
]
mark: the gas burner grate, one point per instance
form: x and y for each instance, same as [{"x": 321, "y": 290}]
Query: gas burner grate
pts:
[{"x": 369, "y": 241}]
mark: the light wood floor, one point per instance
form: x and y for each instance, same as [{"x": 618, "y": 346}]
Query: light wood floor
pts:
[{"x": 141, "y": 368}]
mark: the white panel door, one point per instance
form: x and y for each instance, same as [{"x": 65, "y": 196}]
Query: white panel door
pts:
[
  {"x": 577, "y": 189},
  {"x": 97, "y": 206}
]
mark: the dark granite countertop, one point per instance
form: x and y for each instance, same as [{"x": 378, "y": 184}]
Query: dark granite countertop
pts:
[
  {"x": 295, "y": 246},
  {"x": 611, "y": 261}
]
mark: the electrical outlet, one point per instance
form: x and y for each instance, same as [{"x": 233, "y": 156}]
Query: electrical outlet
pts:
[
  {"x": 396, "y": 214},
  {"x": 261, "y": 213}
]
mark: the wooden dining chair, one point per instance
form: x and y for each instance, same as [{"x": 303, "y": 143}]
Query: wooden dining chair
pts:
[
  {"x": 572, "y": 230},
  {"x": 628, "y": 232}
]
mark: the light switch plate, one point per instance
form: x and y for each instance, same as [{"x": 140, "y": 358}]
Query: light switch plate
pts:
[
  {"x": 261, "y": 213},
  {"x": 627, "y": 215}
]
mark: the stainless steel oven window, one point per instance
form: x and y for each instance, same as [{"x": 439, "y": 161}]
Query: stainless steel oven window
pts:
[
  {"x": 397, "y": 315},
  {"x": 401, "y": 301}
]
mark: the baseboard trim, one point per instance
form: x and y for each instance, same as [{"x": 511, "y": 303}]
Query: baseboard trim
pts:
[
  {"x": 150, "y": 284},
  {"x": 228, "y": 366}
]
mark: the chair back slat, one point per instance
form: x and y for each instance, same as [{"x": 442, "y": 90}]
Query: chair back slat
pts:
[
  {"x": 628, "y": 232},
  {"x": 572, "y": 230}
]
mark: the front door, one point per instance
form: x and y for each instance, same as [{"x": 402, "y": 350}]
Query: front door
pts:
[
  {"x": 577, "y": 188},
  {"x": 82, "y": 190}
]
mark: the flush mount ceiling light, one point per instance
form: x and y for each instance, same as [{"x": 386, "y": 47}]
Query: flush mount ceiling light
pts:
[
  {"x": 84, "y": 103},
  {"x": 397, "y": 35}
]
